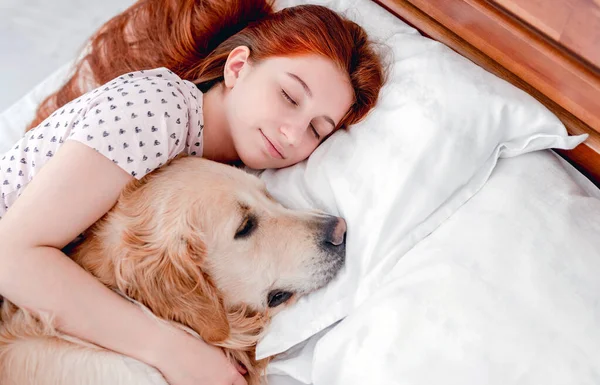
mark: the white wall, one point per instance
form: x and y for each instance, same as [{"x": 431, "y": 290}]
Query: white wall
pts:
[{"x": 38, "y": 36}]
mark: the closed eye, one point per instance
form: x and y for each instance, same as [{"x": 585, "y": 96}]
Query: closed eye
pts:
[
  {"x": 295, "y": 104},
  {"x": 289, "y": 98},
  {"x": 315, "y": 132}
]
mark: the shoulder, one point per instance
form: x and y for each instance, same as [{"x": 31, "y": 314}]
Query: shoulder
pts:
[
  {"x": 139, "y": 120},
  {"x": 146, "y": 84}
]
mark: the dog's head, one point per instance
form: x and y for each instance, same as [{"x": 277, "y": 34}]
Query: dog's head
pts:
[
  {"x": 204, "y": 244},
  {"x": 259, "y": 253}
]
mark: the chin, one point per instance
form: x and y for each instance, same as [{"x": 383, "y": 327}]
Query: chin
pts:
[{"x": 256, "y": 162}]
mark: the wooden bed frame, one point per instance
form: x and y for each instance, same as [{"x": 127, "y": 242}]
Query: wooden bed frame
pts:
[{"x": 564, "y": 79}]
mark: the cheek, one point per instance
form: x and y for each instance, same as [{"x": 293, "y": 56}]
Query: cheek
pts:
[
  {"x": 304, "y": 151},
  {"x": 249, "y": 107}
]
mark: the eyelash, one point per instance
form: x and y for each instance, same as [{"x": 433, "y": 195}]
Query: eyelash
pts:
[
  {"x": 293, "y": 102},
  {"x": 289, "y": 99}
]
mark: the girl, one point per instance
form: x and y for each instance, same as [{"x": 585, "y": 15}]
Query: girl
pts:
[{"x": 231, "y": 81}]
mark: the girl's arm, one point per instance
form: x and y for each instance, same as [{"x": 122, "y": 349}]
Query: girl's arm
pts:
[{"x": 71, "y": 192}]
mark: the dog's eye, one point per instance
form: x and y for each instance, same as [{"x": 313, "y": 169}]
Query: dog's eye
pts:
[
  {"x": 277, "y": 297},
  {"x": 246, "y": 228}
]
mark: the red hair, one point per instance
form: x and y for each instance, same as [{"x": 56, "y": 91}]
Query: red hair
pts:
[{"x": 193, "y": 38}]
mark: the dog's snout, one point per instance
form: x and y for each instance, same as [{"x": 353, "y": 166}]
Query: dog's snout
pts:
[
  {"x": 330, "y": 238},
  {"x": 335, "y": 233}
]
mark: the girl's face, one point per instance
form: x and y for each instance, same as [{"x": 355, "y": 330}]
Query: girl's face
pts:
[{"x": 280, "y": 109}]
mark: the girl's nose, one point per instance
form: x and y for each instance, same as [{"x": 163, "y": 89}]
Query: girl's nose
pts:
[{"x": 292, "y": 133}]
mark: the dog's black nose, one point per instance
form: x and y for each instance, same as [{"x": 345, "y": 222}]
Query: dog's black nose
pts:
[{"x": 335, "y": 232}]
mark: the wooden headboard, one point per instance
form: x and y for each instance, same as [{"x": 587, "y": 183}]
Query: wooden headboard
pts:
[{"x": 551, "y": 53}]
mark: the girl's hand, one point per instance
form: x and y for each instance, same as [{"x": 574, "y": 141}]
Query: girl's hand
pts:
[{"x": 186, "y": 360}]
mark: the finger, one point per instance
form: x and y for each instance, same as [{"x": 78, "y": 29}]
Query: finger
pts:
[
  {"x": 239, "y": 380},
  {"x": 240, "y": 368}
]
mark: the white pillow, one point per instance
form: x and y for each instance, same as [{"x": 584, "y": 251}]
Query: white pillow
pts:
[
  {"x": 505, "y": 292},
  {"x": 427, "y": 148}
]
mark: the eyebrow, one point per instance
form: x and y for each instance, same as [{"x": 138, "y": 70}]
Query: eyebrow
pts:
[
  {"x": 309, "y": 93},
  {"x": 243, "y": 207}
]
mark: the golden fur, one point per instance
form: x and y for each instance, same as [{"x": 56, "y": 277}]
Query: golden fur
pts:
[{"x": 176, "y": 243}]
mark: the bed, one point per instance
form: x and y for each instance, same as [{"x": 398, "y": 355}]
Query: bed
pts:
[
  {"x": 471, "y": 199},
  {"x": 550, "y": 50}
]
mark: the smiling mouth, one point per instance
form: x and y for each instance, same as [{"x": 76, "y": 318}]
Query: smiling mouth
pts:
[{"x": 270, "y": 147}]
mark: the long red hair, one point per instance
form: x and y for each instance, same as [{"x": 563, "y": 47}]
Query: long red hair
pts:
[{"x": 193, "y": 38}]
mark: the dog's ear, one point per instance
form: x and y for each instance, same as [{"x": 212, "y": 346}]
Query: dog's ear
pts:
[{"x": 160, "y": 265}]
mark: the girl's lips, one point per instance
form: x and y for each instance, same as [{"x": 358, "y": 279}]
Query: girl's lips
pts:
[{"x": 271, "y": 148}]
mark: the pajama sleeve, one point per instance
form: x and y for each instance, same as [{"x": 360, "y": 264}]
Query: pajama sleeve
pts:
[{"x": 139, "y": 120}]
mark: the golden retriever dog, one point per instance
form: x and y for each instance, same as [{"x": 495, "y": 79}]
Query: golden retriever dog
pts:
[{"x": 197, "y": 243}]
